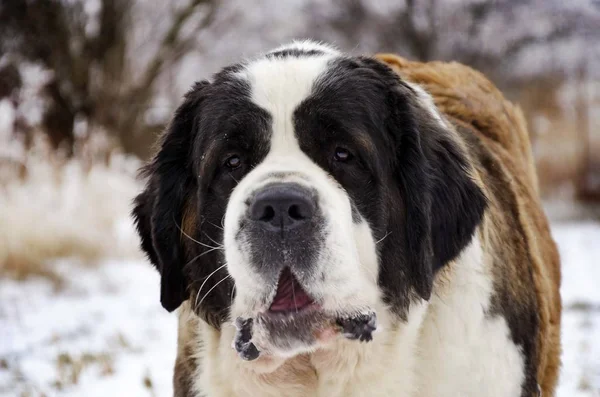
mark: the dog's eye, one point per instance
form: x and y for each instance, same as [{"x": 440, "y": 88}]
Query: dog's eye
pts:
[
  {"x": 342, "y": 154},
  {"x": 233, "y": 162}
]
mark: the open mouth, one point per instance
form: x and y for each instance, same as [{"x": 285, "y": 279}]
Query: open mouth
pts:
[
  {"x": 295, "y": 323},
  {"x": 290, "y": 295}
]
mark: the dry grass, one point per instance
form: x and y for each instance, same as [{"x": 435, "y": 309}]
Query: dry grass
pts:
[
  {"x": 24, "y": 267},
  {"x": 70, "y": 368},
  {"x": 52, "y": 207},
  {"x": 149, "y": 385}
]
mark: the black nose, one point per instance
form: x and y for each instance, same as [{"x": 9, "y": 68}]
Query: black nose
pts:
[{"x": 282, "y": 207}]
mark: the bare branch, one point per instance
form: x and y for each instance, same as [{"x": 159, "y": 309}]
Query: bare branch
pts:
[
  {"x": 172, "y": 44},
  {"x": 421, "y": 41}
]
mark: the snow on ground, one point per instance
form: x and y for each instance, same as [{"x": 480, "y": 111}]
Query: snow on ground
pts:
[
  {"x": 579, "y": 245},
  {"x": 104, "y": 332}
]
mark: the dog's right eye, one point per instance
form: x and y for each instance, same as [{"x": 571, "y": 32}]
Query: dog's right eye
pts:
[{"x": 233, "y": 162}]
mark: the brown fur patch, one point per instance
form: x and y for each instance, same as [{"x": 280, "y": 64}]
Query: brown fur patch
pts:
[
  {"x": 365, "y": 143},
  {"x": 188, "y": 222},
  {"x": 188, "y": 351},
  {"x": 520, "y": 241}
]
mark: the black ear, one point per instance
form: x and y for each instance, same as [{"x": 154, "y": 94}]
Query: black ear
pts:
[
  {"x": 442, "y": 203},
  {"x": 457, "y": 203},
  {"x": 158, "y": 210}
]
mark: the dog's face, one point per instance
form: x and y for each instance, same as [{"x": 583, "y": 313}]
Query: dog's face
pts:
[{"x": 305, "y": 186}]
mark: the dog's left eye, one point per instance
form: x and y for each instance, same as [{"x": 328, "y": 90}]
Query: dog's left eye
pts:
[
  {"x": 342, "y": 155},
  {"x": 233, "y": 162}
]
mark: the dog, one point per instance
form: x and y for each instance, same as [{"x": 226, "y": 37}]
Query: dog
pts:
[{"x": 336, "y": 225}]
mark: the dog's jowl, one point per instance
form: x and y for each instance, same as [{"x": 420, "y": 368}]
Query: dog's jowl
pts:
[{"x": 330, "y": 225}]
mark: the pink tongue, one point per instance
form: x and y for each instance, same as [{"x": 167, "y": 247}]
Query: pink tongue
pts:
[{"x": 290, "y": 295}]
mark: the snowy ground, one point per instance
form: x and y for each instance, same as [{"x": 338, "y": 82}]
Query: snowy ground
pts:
[{"x": 105, "y": 334}]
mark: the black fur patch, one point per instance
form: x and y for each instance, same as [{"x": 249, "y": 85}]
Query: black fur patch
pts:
[
  {"x": 242, "y": 343},
  {"x": 411, "y": 186},
  {"x": 186, "y": 178},
  {"x": 295, "y": 53},
  {"x": 359, "y": 327}
]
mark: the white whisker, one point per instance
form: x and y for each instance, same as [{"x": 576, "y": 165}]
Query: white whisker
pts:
[
  {"x": 202, "y": 254},
  {"x": 209, "y": 291},
  {"x": 232, "y": 292},
  {"x": 383, "y": 238},
  {"x": 294, "y": 296},
  {"x": 218, "y": 227},
  {"x": 193, "y": 239},
  {"x": 213, "y": 240},
  {"x": 205, "y": 280}
]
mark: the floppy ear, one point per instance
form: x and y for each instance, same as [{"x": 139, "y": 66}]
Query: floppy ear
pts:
[
  {"x": 158, "y": 210},
  {"x": 442, "y": 203}
]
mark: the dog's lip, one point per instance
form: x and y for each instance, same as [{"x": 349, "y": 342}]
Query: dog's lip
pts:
[{"x": 290, "y": 296}]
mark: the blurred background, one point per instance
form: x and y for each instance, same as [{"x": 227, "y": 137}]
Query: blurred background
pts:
[{"x": 86, "y": 86}]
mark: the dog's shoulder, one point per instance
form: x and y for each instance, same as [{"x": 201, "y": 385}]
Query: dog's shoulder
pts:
[{"x": 516, "y": 234}]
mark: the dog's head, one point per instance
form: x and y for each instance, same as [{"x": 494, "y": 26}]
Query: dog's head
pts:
[{"x": 305, "y": 183}]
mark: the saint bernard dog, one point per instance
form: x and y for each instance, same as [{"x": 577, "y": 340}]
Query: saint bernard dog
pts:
[{"x": 342, "y": 226}]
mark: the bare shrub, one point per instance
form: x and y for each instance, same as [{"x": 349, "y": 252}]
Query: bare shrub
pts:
[
  {"x": 98, "y": 72},
  {"x": 54, "y": 206}
]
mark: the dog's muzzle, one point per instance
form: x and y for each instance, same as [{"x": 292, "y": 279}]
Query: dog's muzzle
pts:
[
  {"x": 283, "y": 234},
  {"x": 283, "y": 228}
]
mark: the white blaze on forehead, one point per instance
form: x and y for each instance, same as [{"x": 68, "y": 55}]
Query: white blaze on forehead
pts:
[
  {"x": 279, "y": 85},
  {"x": 349, "y": 271}
]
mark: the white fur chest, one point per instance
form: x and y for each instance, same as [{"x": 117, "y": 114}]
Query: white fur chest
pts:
[
  {"x": 463, "y": 351},
  {"x": 381, "y": 368},
  {"x": 448, "y": 347}
]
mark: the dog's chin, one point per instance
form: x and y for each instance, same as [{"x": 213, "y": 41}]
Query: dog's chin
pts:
[
  {"x": 293, "y": 323},
  {"x": 287, "y": 334}
]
